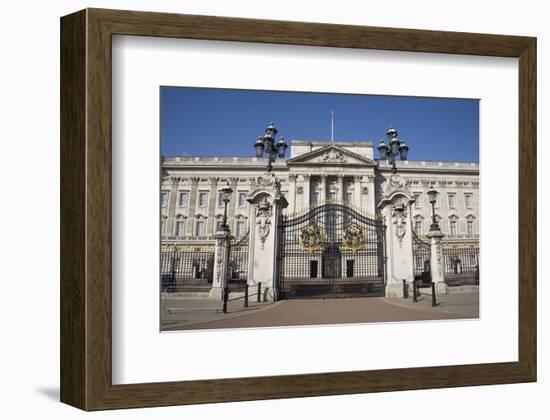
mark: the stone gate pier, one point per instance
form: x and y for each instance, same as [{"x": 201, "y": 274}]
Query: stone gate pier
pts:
[
  {"x": 395, "y": 208},
  {"x": 265, "y": 213}
]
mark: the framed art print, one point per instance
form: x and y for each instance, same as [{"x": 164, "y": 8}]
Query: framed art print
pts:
[{"x": 261, "y": 209}]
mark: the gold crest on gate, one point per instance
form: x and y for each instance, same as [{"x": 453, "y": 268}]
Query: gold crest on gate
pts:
[
  {"x": 353, "y": 238},
  {"x": 311, "y": 238}
]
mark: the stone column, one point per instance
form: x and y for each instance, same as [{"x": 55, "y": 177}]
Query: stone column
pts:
[
  {"x": 221, "y": 264},
  {"x": 307, "y": 192},
  {"x": 357, "y": 191},
  {"x": 212, "y": 203},
  {"x": 323, "y": 185},
  {"x": 169, "y": 228},
  {"x": 436, "y": 261},
  {"x": 341, "y": 191},
  {"x": 369, "y": 205},
  {"x": 190, "y": 226},
  {"x": 265, "y": 212},
  {"x": 292, "y": 192},
  {"x": 395, "y": 207}
]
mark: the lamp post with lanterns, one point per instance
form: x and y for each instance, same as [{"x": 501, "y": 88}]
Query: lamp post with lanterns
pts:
[
  {"x": 265, "y": 145},
  {"x": 226, "y": 197},
  {"x": 396, "y": 148},
  {"x": 432, "y": 194}
]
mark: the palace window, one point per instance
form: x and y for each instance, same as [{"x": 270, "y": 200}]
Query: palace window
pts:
[
  {"x": 314, "y": 198},
  {"x": 454, "y": 230},
  {"x": 200, "y": 228},
  {"x": 180, "y": 228},
  {"x": 219, "y": 225},
  {"x": 240, "y": 229},
  {"x": 417, "y": 202},
  {"x": 220, "y": 199},
  {"x": 313, "y": 269},
  {"x": 162, "y": 225},
  {"x": 349, "y": 197},
  {"x": 350, "y": 268},
  {"x": 452, "y": 201},
  {"x": 242, "y": 199},
  {"x": 177, "y": 264},
  {"x": 468, "y": 200},
  {"x": 418, "y": 227},
  {"x": 332, "y": 195},
  {"x": 470, "y": 227},
  {"x": 203, "y": 198},
  {"x": 164, "y": 199},
  {"x": 184, "y": 199}
]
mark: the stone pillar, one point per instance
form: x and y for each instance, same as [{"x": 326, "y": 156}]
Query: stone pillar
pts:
[
  {"x": 370, "y": 206},
  {"x": 436, "y": 261},
  {"x": 292, "y": 192},
  {"x": 395, "y": 207},
  {"x": 190, "y": 227},
  {"x": 169, "y": 228},
  {"x": 265, "y": 212},
  {"x": 323, "y": 186},
  {"x": 212, "y": 203},
  {"x": 221, "y": 264},
  {"x": 341, "y": 191},
  {"x": 306, "y": 192},
  {"x": 357, "y": 191}
]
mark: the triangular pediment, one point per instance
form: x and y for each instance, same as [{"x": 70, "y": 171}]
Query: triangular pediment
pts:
[{"x": 331, "y": 155}]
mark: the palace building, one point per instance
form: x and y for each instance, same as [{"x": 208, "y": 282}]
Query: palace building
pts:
[
  {"x": 317, "y": 172},
  {"x": 349, "y": 187}
]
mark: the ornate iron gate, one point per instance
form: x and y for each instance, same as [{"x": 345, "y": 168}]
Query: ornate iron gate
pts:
[
  {"x": 421, "y": 260},
  {"x": 237, "y": 270},
  {"x": 331, "y": 250}
]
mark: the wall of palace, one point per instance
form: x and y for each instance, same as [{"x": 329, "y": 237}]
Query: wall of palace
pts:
[{"x": 316, "y": 172}]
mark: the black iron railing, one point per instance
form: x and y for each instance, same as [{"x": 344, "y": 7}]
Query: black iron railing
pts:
[
  {"x": 186, "y": 269},
  {"x": 461, "y": 265}
]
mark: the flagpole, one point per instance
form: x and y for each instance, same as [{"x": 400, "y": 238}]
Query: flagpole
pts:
[{"x": 332, "y": 126}]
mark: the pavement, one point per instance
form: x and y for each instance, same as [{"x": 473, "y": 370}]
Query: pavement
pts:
[{"x": 200, "y": 314}]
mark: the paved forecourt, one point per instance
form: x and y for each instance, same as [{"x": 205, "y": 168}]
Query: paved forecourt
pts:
[{"x": 296, "y": 312}]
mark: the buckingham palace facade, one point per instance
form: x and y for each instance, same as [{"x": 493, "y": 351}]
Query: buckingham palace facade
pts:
[
  {"x": 316, "y": 172},
  {"x": 330, "y": 219}
]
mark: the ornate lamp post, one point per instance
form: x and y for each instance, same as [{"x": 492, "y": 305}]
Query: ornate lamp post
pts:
[
  {"x": 266, "y": 145},
  {"x": 432, "y": 194},
  {"x": 226, "y": 191},
  {"x": 396, "y": 148}
]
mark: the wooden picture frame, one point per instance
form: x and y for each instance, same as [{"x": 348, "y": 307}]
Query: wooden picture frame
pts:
[{"x": 86, "y": 360}]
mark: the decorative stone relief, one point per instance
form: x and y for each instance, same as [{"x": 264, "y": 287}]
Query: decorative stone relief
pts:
[
  {"x": 266, "y": 180},
  {"x": 399, "y": 219},
  {"x": 393, "y": 183},
  {"x": 264, "y": 213},
  {"x": 333, "y": 156}
]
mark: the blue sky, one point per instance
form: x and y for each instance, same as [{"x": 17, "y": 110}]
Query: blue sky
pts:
[{"x": 226, "y": 122}]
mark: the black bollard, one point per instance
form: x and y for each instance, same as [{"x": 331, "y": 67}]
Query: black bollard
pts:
[
  {"x": 405, "y": 290},
  {"x": 225, "y": 299},
  {"x": 259, "y": 292},
  {"x": 415, "y": 292},
  {"x": 434, "y": 301},
  {"x": 246, "y": 296}
]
